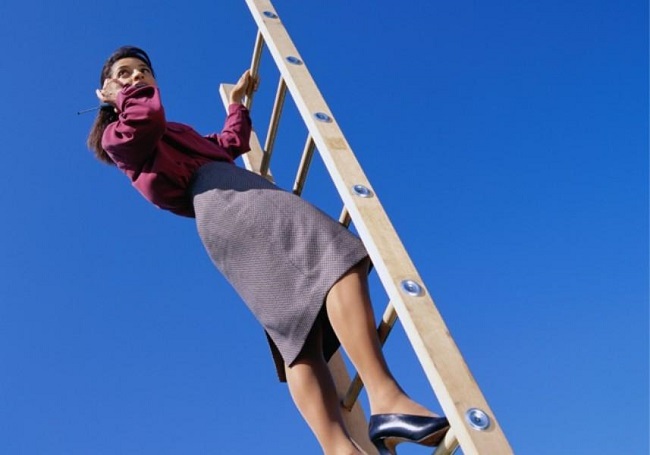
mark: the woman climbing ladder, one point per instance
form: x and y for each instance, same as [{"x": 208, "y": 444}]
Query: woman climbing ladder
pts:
[{"x": 302, "y": 274}]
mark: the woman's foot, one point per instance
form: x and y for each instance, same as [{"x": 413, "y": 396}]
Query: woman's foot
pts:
[{"x": 397, "y": 402}]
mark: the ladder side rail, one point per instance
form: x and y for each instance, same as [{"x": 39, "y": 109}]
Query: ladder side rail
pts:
[
  {"x": 450, "y": 378},
  {"x": 354, "y": 418},
  {"x": 255, "y": 65}
]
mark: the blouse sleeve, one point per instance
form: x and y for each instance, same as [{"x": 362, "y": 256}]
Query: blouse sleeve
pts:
[
  {"x": 132, "y": 139},
  {"x": 235, "y": 136}
]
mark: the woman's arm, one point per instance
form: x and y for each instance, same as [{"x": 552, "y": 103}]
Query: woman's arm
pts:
[
  {"x": 237, "y": 129},
  {"x": 133, "y": 138},
  {"x": 235, "y": 136}
]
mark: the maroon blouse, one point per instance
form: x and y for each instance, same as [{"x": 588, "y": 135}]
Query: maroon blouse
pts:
[{"x": 160, "y": 157}]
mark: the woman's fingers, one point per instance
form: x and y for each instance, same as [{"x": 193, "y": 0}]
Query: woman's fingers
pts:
[
  {"x": 242, "y": 83},
  {"x": 246, "y": 85},
  {"x": 254, "y": 83},
  {"x": 108, "y": 93}
]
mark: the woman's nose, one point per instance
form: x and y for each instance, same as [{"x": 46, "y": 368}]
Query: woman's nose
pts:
[{"x": 137, "y": 75}]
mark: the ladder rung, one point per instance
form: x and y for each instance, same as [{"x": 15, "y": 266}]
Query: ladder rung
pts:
[
  {"x": 345, "y": 219},
  {"x": 303, "y": 168},
  {"x": 385, "y": 326},
  {"x": 273, "y": 125},
  {"x": 448, "y": 445}
]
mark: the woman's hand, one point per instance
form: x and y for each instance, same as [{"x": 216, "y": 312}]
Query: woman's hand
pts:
[
  {"x": 246, "y": 85},
  {"x": 108, "y": 93}
]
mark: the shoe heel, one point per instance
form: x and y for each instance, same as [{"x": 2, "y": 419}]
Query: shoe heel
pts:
[{"x": 380, "y": 445}]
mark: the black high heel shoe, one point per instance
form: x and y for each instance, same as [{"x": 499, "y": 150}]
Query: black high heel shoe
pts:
[{"x": 388, "y": 430}]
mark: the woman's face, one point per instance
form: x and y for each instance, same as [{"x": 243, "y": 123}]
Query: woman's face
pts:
[{"x": 131, "y": 71}]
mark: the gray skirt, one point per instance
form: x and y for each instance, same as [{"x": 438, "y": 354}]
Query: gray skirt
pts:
[{"x": 281, "y": 254}]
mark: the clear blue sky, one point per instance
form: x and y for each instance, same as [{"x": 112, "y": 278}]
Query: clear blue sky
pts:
[{"x": 507, "y": 140}]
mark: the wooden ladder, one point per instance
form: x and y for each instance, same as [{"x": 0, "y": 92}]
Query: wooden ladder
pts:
[{"x": 474, "y": 426}]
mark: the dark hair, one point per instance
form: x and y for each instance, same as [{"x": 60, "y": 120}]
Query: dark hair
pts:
[{"x": 107, "y": 115}]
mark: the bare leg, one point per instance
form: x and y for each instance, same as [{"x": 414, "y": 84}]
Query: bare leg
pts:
[
  {"x": 312, "y": 389},
  {"x": 350, "y": 313}
]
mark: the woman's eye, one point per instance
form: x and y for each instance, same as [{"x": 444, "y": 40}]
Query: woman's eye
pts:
[{"x": 122, "y": 73}]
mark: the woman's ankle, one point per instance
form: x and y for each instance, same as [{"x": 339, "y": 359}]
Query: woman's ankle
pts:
[{"x": 397, "y": 402}]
